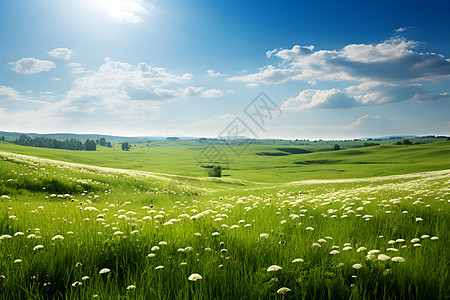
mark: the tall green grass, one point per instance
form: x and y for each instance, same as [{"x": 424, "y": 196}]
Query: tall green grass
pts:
[{"x": 116, "y": 221}]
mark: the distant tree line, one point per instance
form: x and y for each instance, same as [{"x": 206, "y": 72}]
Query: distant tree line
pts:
[
  {"x": 370, "y": 144},
  {"x": 404, "y": 142},
  {"x": 68, "y": 144},
  {"x": 103, "y": 142}
]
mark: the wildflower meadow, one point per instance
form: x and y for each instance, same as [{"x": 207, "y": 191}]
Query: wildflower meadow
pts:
[{"x": 79, "y": 232}]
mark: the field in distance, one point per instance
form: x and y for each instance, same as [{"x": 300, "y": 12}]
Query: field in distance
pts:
[{"x": 262, "y": 161}]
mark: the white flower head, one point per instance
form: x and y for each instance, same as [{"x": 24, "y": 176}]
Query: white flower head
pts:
[
  {"x": 398, "y": 259},
  {"x": 264, "y": 235},
  {"x": 283, "y": 290},
  {"x": 195, "y": 277},
  {"x": 273, "y": 268},
  {"x": 104, "y": 271},
  {"x": 57, "y": 237},
  {"x": 37, "y": 247},
  {"x": 383, "y": 257}
]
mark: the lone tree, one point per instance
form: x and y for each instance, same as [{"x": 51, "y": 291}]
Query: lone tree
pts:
[
  {"x": 125, "y": 146},
  {"x": 216, "y": 171},
  {"x": 2, "y": 138},
  {"x": 102, "y": 142},
  {"x": 108, "y": 144},
  {"x": 336, "y": 147}
]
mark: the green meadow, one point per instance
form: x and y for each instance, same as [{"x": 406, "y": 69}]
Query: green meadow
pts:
[
  {"x": 270, "y": 161},
  {"x": 287, "y": 220}
]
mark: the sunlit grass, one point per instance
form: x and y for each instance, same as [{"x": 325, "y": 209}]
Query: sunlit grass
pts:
[{"x": 135, "y": 237}]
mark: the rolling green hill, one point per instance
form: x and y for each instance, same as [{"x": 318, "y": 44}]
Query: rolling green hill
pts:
[{"x": 259, "y": 163}]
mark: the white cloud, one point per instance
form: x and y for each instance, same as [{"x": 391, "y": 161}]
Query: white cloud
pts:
[
  {"x": 393, "y": 60},
  {"x": 312, "y": 99},
  {"x": 402, "y": 29},
  {"x": 212, "y": 73},
  {"x": 118, "y": 76},
  {"x": 8, "y": 94},
  {"x": 371, "y": 125},
  {"x": 377, "y": 93},
  {"x": 77, "y": 68},
  {"x": 252, "y": 85},
  {"x": 125, "y": 11},
  {"x": 117, "y": 84},
  {"x": 296, "y": 52},
  {"x": 268, "y": 75},
  {"x": 368, "y": 93},
  {"x": 212, "y": 93},
  {"x": 31, "y": 65},
  {"x": 61, "y": 53}
]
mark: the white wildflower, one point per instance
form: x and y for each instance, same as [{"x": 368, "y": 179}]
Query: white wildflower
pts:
[
  {"x": 195, "y": 277},
  {"x": 273, "y": 268}
]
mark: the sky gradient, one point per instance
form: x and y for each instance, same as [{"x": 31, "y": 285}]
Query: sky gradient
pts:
[{"x": 189, "y": 68}]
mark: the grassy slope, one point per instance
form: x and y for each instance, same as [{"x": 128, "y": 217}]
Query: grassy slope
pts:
[
  {"x": 423, "y": 275},
  {"x": 182, "y": 158}
]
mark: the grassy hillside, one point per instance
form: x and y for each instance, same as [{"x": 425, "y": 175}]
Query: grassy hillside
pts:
[
  {"x": 262, "y": 163},
  {"x": 77, "y": 232}
]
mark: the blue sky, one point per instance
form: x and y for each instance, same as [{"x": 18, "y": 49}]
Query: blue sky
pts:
[{"x": 189, "y": 68}]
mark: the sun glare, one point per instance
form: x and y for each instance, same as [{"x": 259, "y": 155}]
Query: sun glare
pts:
[{"x": 126, "y": 11}]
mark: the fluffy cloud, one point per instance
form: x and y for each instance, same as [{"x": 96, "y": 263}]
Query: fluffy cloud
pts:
[
  {"x": 31, "y": 65},
  {"x": 212, "y": 93},
  {"x": 289, "y": 54},
  {"x": 369, "y": 93},
  {"x": 119, "y": 75},
  {"x": 393, "y": 60},
  {"x": 383, "y": 93},
  {"x": 117, "y": 84},
  {"x": 61, "y": 53},
  {"x": 309, "y": 99}
]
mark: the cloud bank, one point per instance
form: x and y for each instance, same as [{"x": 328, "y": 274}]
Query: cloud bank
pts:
[{"x": 387, "y": 72}]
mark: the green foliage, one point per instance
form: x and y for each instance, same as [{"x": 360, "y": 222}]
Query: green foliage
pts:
[
  {"x": 125, "y": 146},
  {"x": 215, "y": 171},
  {"x": 2, "y": 138},
  {"x": 407, "y": 142},
  {"x": 89, "y": 145},
  {"x": 68, "y": 144},
  {"x": 108, "y": 144},
  {"x": 336, "y": 147}
]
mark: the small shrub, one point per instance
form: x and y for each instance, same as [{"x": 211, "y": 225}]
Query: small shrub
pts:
[{"x": 216, "y": 171}]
